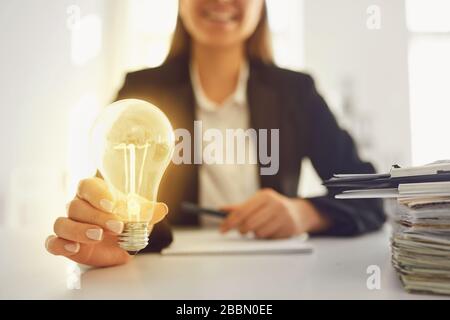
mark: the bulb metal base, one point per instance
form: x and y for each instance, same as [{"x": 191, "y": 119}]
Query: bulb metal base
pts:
[{"x": 134, "y": 237}]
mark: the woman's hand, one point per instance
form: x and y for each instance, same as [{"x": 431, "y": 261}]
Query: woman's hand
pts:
[
  {"x": 269, "y": 214},
  {"x": 89, "y": 234}
]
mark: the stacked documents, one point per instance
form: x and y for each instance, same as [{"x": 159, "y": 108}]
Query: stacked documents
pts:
[
  {"x": 421, "y": 237},
  {"x": 421, "y": 243}
]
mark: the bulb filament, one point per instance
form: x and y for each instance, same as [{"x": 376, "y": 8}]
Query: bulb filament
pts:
[{"x": 129, "y": 153}]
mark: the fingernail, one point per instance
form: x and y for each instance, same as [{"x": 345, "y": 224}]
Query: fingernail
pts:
[
  {"x": 72, "y": 247},
  {"x": 94, "y": 234},
  {"x": 115, "y": 226},
  {"x": 106, "y": 205},
  {"x": 166, "y": 208},
  {"x": 47, "y": 241}
]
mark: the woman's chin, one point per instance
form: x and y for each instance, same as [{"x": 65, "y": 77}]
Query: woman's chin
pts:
[
  {"x": 220, "y": 41},
  {"x": 219, "y": 37}
]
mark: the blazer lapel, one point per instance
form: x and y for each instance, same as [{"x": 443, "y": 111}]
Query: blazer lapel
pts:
[{"x": 183, "y": 177}]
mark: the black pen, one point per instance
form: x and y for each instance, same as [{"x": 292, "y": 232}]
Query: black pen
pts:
[{"x": 192, "y": 208}]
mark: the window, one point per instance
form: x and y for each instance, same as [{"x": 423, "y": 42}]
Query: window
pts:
[{"x": 429, "y": 77}]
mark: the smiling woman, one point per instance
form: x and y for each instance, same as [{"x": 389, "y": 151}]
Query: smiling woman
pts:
[{"x": 220, "y": 71}]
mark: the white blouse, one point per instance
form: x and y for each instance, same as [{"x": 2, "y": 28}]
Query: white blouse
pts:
[{"x": 224, "y": 184}]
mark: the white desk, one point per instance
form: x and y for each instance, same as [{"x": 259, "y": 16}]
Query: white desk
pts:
[{"x": 336, "y": 269}]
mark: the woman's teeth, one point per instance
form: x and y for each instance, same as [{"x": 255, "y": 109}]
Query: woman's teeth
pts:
[{"x": 221, "y": 16}]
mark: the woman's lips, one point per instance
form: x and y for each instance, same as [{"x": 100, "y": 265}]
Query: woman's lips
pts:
[{"x": 221, "y": 16}]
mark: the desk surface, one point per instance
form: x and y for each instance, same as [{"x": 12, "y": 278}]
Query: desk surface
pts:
[{"x": 336, "y": 270}]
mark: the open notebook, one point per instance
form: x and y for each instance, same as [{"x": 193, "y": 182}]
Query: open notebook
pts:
[{"x": 211, "y": 242}]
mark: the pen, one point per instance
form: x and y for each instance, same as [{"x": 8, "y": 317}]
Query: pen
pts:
[{"x": 192, "y": 208}]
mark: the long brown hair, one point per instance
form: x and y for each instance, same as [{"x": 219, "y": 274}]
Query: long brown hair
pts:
[{"x": 258, "y": 45}]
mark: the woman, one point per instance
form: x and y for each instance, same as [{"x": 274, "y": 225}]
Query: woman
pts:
[{"x": 220, "y": 70}]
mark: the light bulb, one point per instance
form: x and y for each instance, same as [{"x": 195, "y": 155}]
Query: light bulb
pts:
[{"x": 133, "y": 142}]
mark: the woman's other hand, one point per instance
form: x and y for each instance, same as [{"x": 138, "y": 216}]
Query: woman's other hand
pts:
[
  {"x": 271, "y": 215},
  {"x": 88, "y": 235}
]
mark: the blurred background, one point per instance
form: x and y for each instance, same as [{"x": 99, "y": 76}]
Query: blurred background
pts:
[{"x": 382, "y": 65}]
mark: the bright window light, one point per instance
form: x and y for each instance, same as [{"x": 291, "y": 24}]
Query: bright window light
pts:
[
  {"x": 429, "y": 78},
  {"x": 151, "y": 25},
  {"x": 429, "y": 66},
  {"x": 286, "y": 25},
  {"x": 428, "y": 15},
  {"x": 153, "y": 16}
]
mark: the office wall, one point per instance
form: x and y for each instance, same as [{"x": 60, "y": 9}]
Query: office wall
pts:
[
  {"x": 41, "y": 84},
  {"x": 362, "y": 72}
]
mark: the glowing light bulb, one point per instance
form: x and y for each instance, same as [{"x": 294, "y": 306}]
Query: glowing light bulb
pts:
[{"x": 133, "y": 142}]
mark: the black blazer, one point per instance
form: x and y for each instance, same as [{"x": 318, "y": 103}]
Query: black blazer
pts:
[{"x": 278, "y": 99}]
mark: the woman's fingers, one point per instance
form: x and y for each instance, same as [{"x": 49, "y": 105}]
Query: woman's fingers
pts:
[
  {"x": 282, "y": 233},
  {"x": 153, "y": 212},
  {"x": 89, "y": 234},
  {"x": 257, "y": 219},
  {"x": 159, "y": 213},
  {"x": 237, "y": 216},
  {"x": 101, "y": 256},
  {"x": 96, "y": 192},
  {"x": 81, "y": 211},
  {"x": 76, "y": 231},
  {"x": 269, "y": 229},
  {"x": 97, "y": 256},
  {"x": 61, "y": 247}
]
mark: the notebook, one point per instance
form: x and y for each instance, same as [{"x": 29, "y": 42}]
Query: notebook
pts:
[{"x": 211, "y": 242}]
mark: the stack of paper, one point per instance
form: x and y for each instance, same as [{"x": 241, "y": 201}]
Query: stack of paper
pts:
[
  {"x": 421, "y": 244},
  {"x": 421, "y": 237}
]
